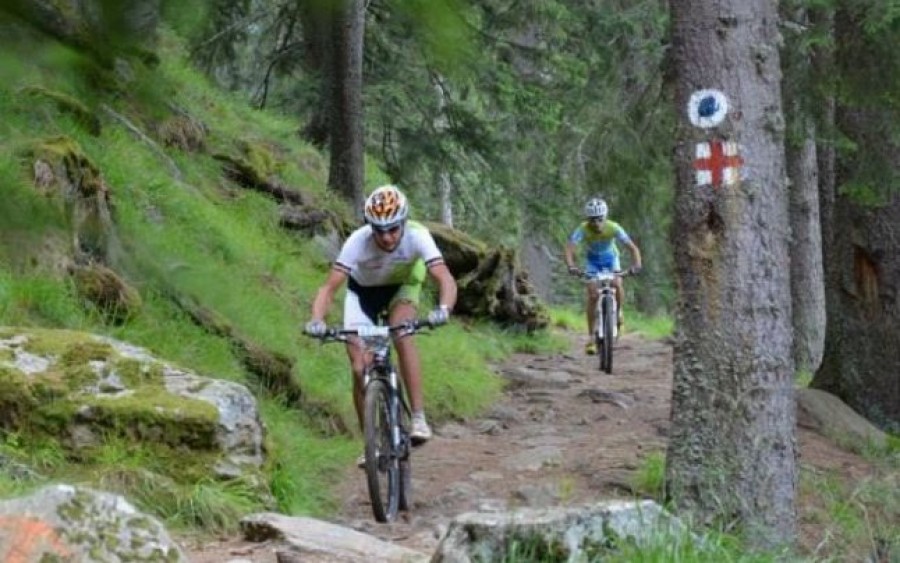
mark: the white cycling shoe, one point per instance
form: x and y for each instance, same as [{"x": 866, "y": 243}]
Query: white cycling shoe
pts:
[{"x": 421, "y": 432}]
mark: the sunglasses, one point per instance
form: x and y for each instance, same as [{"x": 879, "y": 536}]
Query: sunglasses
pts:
[
  {"x": 597, "y": 220},
  {"x": 386, "y": 230}
]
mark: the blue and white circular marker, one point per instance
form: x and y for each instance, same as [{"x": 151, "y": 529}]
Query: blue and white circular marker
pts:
[{"x": 707, "y": 108}]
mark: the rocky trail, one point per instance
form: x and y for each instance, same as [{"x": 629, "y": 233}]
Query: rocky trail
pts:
[{"x": 563, "y": 434}]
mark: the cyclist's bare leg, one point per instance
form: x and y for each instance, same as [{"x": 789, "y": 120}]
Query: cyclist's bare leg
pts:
[
  {"x": 408, "y": 356},
  {"x": 357, "y": 367},
  {"x": 620, "y": 297},
  {"x": 591, "y": 299}
]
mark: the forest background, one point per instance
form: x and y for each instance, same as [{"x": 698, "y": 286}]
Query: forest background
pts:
[{"x": 500, "y": 118}]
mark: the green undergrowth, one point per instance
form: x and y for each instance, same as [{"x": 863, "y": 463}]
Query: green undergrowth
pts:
[
  {"x": 181, "y": 232},
  {"x": 654, "y": 327}
]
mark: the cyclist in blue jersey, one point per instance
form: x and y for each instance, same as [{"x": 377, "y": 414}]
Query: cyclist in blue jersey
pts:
[{"x": 599, "y": 236}]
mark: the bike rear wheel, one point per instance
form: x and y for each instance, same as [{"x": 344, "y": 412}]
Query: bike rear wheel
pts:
[
  {"x": 382, "y": 466},
  {"x": 609, "y": 320}
]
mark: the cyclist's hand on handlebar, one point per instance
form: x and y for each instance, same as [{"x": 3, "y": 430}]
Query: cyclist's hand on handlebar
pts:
[
  {"x": 438, "y": 316},
  {"x": 574, "y": 271},
  {"x": 315, "y": 328},
  {"x": 635, "y": 269}
]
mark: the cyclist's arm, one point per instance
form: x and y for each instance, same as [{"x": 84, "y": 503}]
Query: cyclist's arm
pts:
[
  {"x": 635, "y": 254},
  {"x": 571, "y": 247},
  {"x": 446, "y": 284},
  {"x": 325, "y": 295}
]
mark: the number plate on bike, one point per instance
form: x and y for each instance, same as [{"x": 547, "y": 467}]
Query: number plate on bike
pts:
[{"x": 373, "y": 331}]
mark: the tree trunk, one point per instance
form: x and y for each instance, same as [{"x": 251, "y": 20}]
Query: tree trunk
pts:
[
  {"x": 446, "y": 198},
  {"x": 318, "y": 56},
  {"x": 862, "y": 359},
  {"x": 732, "y": 449},
  {"x": 807, "y": 276},
  {"x": 346, "y": 140}
]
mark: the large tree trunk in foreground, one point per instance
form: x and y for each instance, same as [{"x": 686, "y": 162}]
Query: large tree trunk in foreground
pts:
[{"x": 732, "y": 450}]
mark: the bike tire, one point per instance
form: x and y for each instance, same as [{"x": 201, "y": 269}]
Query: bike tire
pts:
[
  {"x": 405, "y": 465},
  {"x": 382, "y": 467},
  {"x": 609, "y": 320}
]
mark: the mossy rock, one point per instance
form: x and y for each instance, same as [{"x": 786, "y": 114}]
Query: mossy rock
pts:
[{"x": 84, "y": 390}]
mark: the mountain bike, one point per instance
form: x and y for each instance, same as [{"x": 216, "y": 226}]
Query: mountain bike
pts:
[
  {"x": 607, "y": 315},
  {"x": 386, "y": 418}
]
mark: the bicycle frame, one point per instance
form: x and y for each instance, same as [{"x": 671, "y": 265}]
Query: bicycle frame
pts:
[
  {"x": 376, "y": 343},
  {"x": 388, "y": 459},
  {"x": 606, "y": 327}
]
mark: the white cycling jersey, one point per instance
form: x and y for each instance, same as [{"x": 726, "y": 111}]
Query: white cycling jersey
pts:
[{"x": 370, "y": 266}]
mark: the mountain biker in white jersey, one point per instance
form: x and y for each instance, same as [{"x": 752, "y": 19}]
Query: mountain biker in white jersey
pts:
[
  {"x": 599, "y": 236},
  {"x": 384, "y": 264}
]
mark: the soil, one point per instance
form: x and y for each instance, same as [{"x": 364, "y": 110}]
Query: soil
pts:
[{"x": 563, "y": 433}]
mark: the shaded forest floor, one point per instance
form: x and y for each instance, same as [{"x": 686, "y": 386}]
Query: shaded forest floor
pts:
[{"x": 563, "y": 433}]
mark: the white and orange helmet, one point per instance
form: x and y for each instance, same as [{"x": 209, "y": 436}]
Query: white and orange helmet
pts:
[{"x": 386, "y": 207}]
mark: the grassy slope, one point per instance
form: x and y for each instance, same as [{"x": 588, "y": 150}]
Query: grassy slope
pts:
[{"x": 202, "y": 236}]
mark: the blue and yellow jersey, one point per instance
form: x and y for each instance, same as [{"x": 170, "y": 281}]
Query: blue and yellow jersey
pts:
[{"x": 601, "y": 242}]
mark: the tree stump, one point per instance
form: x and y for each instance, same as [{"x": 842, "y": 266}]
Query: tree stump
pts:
[{"x": 491, "y": 281}]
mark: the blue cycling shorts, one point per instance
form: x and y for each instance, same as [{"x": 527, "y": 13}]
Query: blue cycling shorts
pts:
[{"x": 606, "y": 262}]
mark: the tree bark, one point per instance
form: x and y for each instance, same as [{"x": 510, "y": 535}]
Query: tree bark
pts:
[
  {"x": 732, "y": 449},
  {"x": 318, "y": 59},
  {"x": 346, "y": 139},
  {"x": 862, "y": 359},
  {"x": 807, "y": 275}
]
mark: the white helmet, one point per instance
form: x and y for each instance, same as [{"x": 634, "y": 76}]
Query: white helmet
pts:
[
  {"x": 386, "y": 207},
  {"x": 596, "y": 208}
]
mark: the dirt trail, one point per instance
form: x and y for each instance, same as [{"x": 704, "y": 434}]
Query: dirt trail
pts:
[{"x": 563, "y": 433}]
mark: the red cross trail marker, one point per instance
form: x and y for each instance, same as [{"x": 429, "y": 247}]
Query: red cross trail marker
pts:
[{"x": 717, "y": 163}]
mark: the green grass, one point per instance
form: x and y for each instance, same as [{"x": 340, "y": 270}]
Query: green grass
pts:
[
  {"x": 194, "y": 235},
  {"x": 650, "y": 478},
  {"x": 653, "y": 327},
  {"x": 803, "y": 378},
  {"x": 661, "y": 547}
]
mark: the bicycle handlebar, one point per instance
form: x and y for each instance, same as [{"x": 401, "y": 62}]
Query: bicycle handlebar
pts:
[
  {"x": 604, "y": 275},
  {"x": 341, "y": 334}
]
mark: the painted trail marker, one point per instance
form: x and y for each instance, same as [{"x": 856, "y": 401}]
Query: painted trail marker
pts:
[
  {"x": 707, "y": 108},
  {"x": 717, "y": 163}
]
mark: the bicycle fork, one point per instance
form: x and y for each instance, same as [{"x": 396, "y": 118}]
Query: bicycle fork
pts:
[
  {"x": 606, "y": 300},
  {"x": 394, "y": 403}
]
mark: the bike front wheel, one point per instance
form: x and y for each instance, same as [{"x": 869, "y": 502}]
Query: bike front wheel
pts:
[
  {"x": 609, "y": 323},
  {"x": 382, "y": 466}
]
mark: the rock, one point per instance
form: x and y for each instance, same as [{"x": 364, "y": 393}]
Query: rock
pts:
[
  {"x": 66, "y": 523},
  {"x": 568, "y": 533},
  {"x": 80, "y": 388},
  {"x": 319, "y": 538},
  {"x": 826, "y": 414}
]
